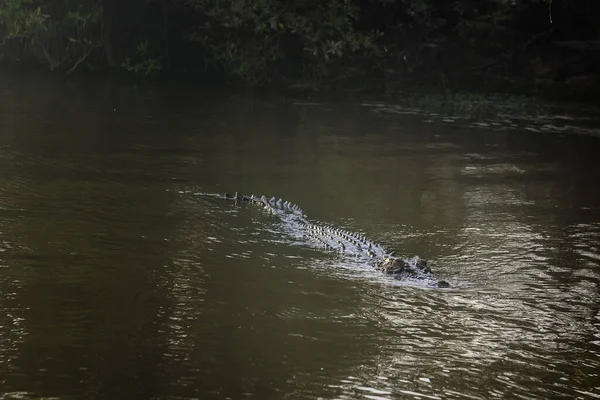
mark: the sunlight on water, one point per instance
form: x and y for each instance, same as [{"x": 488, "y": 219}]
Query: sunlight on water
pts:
[{"x": 125, "y": 274}]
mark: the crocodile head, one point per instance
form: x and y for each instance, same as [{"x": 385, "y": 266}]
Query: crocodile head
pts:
[
  {"x": 392, "y": 265},
  {"x": 411, "y": 266}
]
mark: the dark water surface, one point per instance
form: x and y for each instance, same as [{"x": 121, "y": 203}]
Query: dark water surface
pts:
[{"x": 118, "y": 281}]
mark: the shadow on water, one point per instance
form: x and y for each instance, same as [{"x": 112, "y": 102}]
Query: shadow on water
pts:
[{"x": 118, "y": 281}]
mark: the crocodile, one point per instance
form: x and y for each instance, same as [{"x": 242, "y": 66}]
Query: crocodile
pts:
[{"x": 345, "y": 241}]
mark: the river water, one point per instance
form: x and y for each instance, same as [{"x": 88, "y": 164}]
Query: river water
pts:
[{"x": 120, "y": 280}]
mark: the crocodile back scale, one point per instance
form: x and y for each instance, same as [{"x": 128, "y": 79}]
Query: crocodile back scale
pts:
[{"x": 344, "y": 241}]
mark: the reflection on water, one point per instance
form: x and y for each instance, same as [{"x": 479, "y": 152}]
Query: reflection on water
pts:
[{"x": 118, "y": 281}]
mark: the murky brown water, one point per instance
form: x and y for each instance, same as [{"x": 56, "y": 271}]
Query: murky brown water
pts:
[{"x": 119, "y": 281}]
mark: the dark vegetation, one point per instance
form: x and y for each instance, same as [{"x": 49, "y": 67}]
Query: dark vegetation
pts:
[{"x": 382, "y": 45}]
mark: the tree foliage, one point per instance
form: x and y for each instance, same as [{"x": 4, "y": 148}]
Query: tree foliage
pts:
[
  {"x": 56, "y": 33},
  {"x": 258, "y": 41},
  {"x": 303, "y": 42}
]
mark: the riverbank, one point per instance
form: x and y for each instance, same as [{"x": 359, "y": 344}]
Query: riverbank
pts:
[{"x": 382, "y": 47}]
